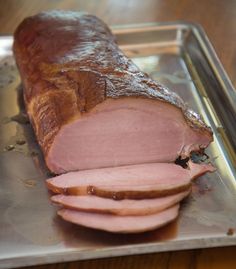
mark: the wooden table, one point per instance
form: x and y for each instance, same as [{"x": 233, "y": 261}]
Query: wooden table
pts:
[{"x": 218, "y": 18}]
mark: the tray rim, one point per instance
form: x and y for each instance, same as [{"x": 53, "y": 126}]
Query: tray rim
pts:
[{"x": 142, "y": 248}]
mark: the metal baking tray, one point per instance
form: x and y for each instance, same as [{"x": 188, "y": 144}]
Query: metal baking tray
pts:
[{"x": 178, "y": 55}]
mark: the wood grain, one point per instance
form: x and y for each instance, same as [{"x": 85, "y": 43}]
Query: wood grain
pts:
[
  {"x": 218, "y": 19},
  {"x": 214, "y": 258}
]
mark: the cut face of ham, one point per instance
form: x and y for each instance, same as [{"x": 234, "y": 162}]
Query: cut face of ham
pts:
[
  {"x": 129, "y": 182},
  {"x": 124, "y": 207},
  {"x": 120, "y": 224},
  {"x": 124, "y": 132}
]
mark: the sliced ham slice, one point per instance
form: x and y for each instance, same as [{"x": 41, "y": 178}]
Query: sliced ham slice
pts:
[
  {"x": 90, "y": 106},
  {"x": 124, "y": 207},
  {"x": 120, "y": 224},
  {"x": 129, "y": 182}
]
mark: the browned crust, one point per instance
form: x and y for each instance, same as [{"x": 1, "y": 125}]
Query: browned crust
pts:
[
  {"x": 69, "y": 62},
  {"x": 136, "y": 195}
]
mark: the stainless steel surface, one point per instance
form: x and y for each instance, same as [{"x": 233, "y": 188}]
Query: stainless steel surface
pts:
[{"x": 178, "y": 55}]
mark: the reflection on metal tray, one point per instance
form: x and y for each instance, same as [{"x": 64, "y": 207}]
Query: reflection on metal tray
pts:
[{"x": 178, "y": 55}]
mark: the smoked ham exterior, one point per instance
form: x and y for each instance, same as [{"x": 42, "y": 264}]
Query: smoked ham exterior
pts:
[{"x": 90, "y": 106}]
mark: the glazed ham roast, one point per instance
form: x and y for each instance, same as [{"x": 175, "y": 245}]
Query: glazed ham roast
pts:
[
  {"x": 107, "y": 127},
  {"x": 90, "y": 106}
]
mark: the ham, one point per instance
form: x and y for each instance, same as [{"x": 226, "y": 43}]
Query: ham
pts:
[
  {"x": 124, "y": 207},
  {"x": 90, "y": 106},
  {"x": 120, "y": 224},
  {"x": 129, "y": 182},
  {"x": 95, "y": 113}
]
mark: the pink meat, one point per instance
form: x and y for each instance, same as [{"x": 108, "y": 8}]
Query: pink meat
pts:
[
  {"x": 120, "y": 224},
  {"x": 124, "y": 132},
  {"x": 124, "y": 207},
  {"x": 130, "y": 182}
]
